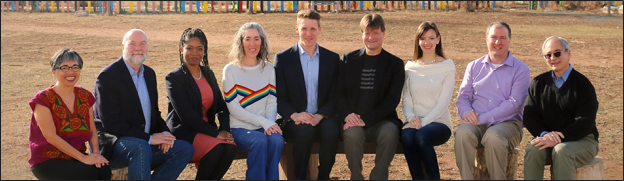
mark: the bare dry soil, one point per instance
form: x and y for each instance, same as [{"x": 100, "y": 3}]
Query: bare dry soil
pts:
[{"x": 30, "y": 39}]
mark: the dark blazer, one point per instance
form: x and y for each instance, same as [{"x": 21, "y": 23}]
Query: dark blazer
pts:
[
  {"x": 389, "y": 80},
  {"x": 184, "y": 116},
  {"x": 290, "y": 82},
  {"x": 118, "y": 111}
]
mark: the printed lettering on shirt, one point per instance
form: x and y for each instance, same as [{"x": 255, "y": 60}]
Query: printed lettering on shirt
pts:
[{"x": 367, "y": 79}]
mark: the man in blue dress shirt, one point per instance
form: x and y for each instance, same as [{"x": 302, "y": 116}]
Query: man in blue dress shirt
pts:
[
  {"x": 132, "y": 134},
  {"x": 305, "y": 82}
]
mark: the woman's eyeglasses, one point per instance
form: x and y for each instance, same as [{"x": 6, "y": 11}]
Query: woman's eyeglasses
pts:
[
  {"x": 556, "y": 54},
  {"x": 66, "y": 68}
]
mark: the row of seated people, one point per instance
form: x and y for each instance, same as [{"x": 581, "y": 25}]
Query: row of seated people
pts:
[{"x": 321, "y": 97}]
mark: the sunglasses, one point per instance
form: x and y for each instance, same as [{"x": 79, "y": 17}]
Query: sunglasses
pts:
[{"x": 556, "y": 54}]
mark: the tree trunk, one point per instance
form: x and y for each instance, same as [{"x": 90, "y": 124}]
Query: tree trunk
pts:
[
  {"x": 593, "y": 171},
  {"x": 481, "y": 172}
]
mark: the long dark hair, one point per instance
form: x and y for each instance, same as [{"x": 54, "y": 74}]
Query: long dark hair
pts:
[
  {"x": 192, "y": 33},
  {"x": 422, "y": 29}
]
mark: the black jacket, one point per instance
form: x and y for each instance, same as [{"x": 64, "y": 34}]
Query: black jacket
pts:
[
  {"x": 290, "y": 82},
  {"x": 118, "y": 111},
  {"x": 388, "y": 85},
  {"x": 184, "y": 116}
]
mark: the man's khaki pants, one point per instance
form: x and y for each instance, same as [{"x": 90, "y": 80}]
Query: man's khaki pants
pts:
[
  {"x": 497, "y": 140},
  {"x": 385, "y": 134},
  {"x": 565, "y": 157}
]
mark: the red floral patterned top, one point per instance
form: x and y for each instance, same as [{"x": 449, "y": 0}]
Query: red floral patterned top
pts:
[{"x": 71, "y": 127}]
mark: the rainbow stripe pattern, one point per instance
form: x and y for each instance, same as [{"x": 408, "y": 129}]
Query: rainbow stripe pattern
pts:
[{"x": 249, "y": 96}]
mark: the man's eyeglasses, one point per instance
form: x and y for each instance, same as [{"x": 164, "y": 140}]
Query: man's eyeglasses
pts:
[
  {"x": 66, "y": 68},
  {"x": 556, "y": 54}
]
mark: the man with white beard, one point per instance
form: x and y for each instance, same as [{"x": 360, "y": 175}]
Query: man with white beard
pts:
[{"x": 131, "y": 131}]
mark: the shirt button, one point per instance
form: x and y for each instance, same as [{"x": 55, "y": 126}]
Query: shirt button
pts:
[{"x": 490, "y": 100}]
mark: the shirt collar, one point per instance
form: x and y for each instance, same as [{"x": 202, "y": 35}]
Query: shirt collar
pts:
[
  {"x": 508, "y": 61},
  {"x": 131, "y": 70},
  {"x": 302, "y": 51},
  {"x": 565, "y": 75}
]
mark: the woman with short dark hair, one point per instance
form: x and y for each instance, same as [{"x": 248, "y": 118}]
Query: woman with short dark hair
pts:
[{"x": 61, "y": 123}]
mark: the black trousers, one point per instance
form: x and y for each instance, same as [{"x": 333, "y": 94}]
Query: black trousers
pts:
[
  {"x": 214, "y": 164},
  {"x": 302, "y": 136},
  {"x": 61, "y": 169}
]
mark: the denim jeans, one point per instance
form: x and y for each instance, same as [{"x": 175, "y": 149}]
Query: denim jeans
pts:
[
  {"x": 138, "y": 156},
  {"x": 418, "y": 149},
  {"x": 264, "y": 152}
]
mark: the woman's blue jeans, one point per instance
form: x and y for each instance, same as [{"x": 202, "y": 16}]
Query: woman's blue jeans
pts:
[
  {"x": 264, "y": 152},
  {"x": 138, "y": 156},
  {"x": 418, "y": 149}
]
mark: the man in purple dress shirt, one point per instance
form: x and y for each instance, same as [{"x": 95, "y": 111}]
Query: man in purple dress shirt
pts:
[{"x": 490, "y": 104}]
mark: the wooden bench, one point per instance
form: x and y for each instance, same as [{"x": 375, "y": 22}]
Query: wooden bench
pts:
[
  {"x": 481, "y": 172},
  {"x": 595, "y": 170},
  {"x": 286, "y": 161}
]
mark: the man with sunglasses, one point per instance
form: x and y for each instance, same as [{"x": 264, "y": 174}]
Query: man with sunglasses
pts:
[
  {"x": 560, "y": 112},
  {"x": 490, "y": 102}
]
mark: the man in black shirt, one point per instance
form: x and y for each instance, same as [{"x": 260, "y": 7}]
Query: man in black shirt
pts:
[
  {"x": 560, "y": 112},
  {"x": 371, "y": 81}
]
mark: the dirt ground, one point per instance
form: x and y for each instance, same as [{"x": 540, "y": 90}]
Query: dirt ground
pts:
[{"x": 30, "y": 39}]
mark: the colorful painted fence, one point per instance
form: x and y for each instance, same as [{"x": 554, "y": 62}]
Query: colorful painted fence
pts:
[
  {"x": 139, "y": 7},
  {"x": 143, "y": 7}
]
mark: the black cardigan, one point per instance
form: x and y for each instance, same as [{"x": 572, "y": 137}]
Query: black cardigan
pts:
[
  {"x": 570, "y": 109},
  {"x": 184, "y": 117},
  {"x": 388, "y": 85}
]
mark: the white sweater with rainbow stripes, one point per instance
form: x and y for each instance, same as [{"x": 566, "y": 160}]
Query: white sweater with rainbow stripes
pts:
[{"x": 250, "y": 95}]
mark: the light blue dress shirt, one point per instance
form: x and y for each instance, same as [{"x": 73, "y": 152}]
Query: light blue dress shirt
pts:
[
  {"x": 310, "y": 67},
  {"x": 141, "y": 87},
  {"x": 563, "y": 78}
]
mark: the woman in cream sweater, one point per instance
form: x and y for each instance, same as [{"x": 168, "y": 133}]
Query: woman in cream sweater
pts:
[{"x": 429, "y": 82}]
